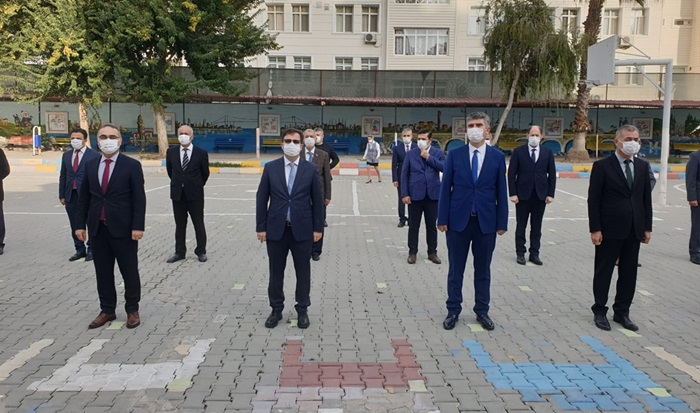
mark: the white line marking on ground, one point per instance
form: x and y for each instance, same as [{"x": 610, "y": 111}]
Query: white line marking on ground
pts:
[
  {"x": 676, "y": 362},
  {"x": 355, "y": 200},
  {"x": 570, "y": 194},
  {"x": 21, "y": 358},
  {"x": 155, "y": 189},
  {"x": 678, "y": 187}
]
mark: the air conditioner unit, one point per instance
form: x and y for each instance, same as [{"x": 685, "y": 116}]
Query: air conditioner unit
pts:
[
  {"x": 371, "y": 38},
  {"x": 595, "y": 97}
]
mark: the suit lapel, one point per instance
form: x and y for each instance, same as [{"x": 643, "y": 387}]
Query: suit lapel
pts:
[{"x": 615, "y": 164}]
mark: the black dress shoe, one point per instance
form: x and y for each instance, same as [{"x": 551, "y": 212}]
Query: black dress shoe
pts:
[
  {"x": 601, "y": 321},
  {"x": 315, "y": 256},
  {"x": 77, "y": 256},
  {"x": 694, "y": 260},
  {"x": 88, "y": 257},
  {"x": 520, "y": 259},
  {"x": 485, "y": 321},
  {"x": 325, "y": 223},
  {"x": 411, "y": 259},
  {"x": 450, "y": 322},
  {"x": 535, "y": 260},
  {"x": 175, "y": 258},
  {"x": 2, "y": 250},
  {"x": 434, "y": 258},
  {"x": 202, "y": 257},
  {"x": 273, "y": 319},
  {"x": 626, "y": 322},
  {"x": 401, "y": 224},
  {"x": 303, "y": 319}
]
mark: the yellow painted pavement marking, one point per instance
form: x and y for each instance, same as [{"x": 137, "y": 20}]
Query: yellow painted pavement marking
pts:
[
  {"x": 238, "y": 286},
  {"x": 370, "y": 240},
  {"x": 179, "y": 385},
  {"x": 628, "y": 333},
  {"x": 658, "y": 392},
  {"x": 417, "y": 386},
  {"x": 677, "y": 362},
  {"x": 21, "y": 358},
  {"x": 381, "y": 285},
  {"x": 115, "y": 325},
  {"x": 645, "y": 293},
  {"x": 475, "y": 327},
  {"x": 293, "y": 323},
  {"x": 524, "y": 288}
]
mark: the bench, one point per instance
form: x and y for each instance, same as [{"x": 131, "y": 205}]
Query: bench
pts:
[
  {"x": 234, "y": 144},
  {"x": 603, "y": 146},
  {"x": 341, "y": 146},
  {"x": 18, "y": 141},
  {"x": 509, "y": 146},
  {"x": 173, "y": 141},
  {"x": 268, "y": 143},
  {"x": 679, "y": 148},
  {"x": 59, "y": 144}
]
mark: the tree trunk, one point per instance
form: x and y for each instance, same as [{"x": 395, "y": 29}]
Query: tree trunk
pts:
[
  {"x": 159, "y": 115},
  {"x": 504, "y": 116},
  {"x": 83, "y": 119}
]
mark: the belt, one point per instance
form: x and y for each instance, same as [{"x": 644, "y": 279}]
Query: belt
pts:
[{"x": 289, "y": 223}]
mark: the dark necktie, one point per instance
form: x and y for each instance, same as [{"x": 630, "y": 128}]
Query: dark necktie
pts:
[
  {"x": 290, "y": 186},
  {"x": 475, "y": 175},
  {"x": 408, "y": 148},
  {"x": 76, "y": 163},
  {"x": 534, "y": 158},
  {"x": 628, "y": 173},
  {"x": 105, "y": 184},
  {"x": 310, "y": 156},
  {"x": 185, "y": 159}
]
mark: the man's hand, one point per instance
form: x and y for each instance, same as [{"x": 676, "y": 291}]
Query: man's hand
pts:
[
  {"x": 406, "y": 200},
  {"x": 396, "y": 184},
  {"x": 442, "y": 228},
  {"x": 81, "y": 234},
  {"x": 136, "y": 235},
  {"x": 514, "y": 199},
  {"x": 548, "y": 200},
  {"x": 693, "y": 203},
  {"x": 647, "y": 237},
  {"x": 262, "y": 236},
  {"x": 424, "y": 154},
  {"x": 597, "y": 238},
  {"x": 501, "y": 231},
  {"x": 317, "y": 236},
  {"x": 326, "y": 202},
  {"x": 62, "y": 201}
]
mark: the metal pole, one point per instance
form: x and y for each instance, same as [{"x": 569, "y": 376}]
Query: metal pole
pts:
[
  {"x": 666, "y": 133},
  {"x": 257, "y": 143}
]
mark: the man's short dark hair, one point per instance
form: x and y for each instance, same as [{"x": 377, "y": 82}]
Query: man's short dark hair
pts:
[
  {"x": 425, "y": 132},
  {"x": 80, "y": 131},
  {"x": 292, "y": 131}
]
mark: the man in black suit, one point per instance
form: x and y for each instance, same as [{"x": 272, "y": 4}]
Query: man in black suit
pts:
[
  {"x": 532, "y": 178},
  {"x": 620, "y": 217},
  {"x": 397, "y": 158},
  {"x": 188, "y": 169},
  {"x": 113, "y": 205},
  {"x": 326, "y": 147},
  {"x": 4, "y": 171},
  {"x": 289, "y": 217},
  {"x": 321, "y": 160},
  {"x": 692, "y": 187},
  {"x": 69, "y": 183}
]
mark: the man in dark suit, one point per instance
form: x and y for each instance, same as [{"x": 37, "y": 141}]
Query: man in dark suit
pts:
[
  {"x": 532, "y": 178},
  {"x": 332, "y": 155},
  {"x": 289, "y": 217},
  {"x": 70, "y": 182},
  {"x": 113, "y": 205},
  {"x": 397, "y": 158},
  {"x": 619, "y": 218},
  {"x": 188, "y": 169},
  {"x": 473, "y": 208},
  {"x": 320, "y": 159},
  {"x": 692, "y": 188},
  {"x": 4, "y": 171},
  {"x": 420, "y": 176}
]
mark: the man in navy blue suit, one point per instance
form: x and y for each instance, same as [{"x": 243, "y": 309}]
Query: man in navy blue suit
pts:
[
  {"x": 397, "y": 159},
  {"x": 473, "y": 208},
  {"x": 113, "y": 206},
  {"x": 420, "y": 191},
  {"x": 289, "y": 217},
  {"x": 69, "y": 183},
  {"x": 532, "y": 179}
]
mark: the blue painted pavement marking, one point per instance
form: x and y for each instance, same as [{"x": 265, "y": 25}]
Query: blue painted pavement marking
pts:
[{"x": 615, "y": 386}]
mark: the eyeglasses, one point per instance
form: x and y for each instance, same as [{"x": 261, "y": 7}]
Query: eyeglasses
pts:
[
  {"x": 105, "y": 137},
  {"x": 295, "y": 141}
]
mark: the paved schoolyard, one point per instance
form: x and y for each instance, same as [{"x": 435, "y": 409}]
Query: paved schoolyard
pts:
[{"x": 375, "y": 344}]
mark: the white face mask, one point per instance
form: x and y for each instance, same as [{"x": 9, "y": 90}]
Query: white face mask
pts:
[
  {"x": 292, "y": 149},
  {"x": 76, "y": 144},
  {"x": 533, "y": 141},
  {"x": 184, "y": 139},
  {"x": 422, "y": 144},
  {"x": 309, "y": 142},
  {"x": 109, "y": 146},
  {"x": 407, "y": 140},
  {"x": 319, "y": 140},
  {"x": 630, "y": 148},
  {"x": 475, "y": 135}
]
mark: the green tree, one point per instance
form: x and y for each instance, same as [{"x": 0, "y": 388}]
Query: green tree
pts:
[
  {"x": 528, "y": 56},
  {"x": 591, "y": 31},
  {"x": 149, "y": 38}
]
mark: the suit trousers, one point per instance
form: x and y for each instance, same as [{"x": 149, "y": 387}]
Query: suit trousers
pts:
[
  {"x": 277, "y": 252},
  {"x": 694, "y": 244},
  {"x": 105, "y": 250},
  {"x": 2, "y": 226},
  {"x": 605, "y": 256},
  {"x": 416, "y": 209},
  {"x": 317, "y": 247},
  {"x": 71, "y": 210},
  {"x": 402, "y": 206},
  {"x": 531, "y": 208},
  {"x": 482, "y": 251},
  {"x": 196, "y": 211}
]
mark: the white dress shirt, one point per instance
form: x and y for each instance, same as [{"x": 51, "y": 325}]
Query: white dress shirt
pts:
[
  {"x": 537, "y": 152},
  {"x": 101, "y": 168},
  {"x": 287, "y": 169},
  {"x": 189, "y": 152}
]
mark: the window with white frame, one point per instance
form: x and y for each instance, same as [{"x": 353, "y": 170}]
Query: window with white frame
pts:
[
  {"x": 639, "y": 22},
  {"x": 569, "y": 20},
  {"x": 343, "y": 63},
  {"x": 343, "y": 19},
  {"x": 477, "y": 65},
  {"x": 370, "y": 19},
  {"x": 275, "y": 17},
  {"x": 369, "y": 63},
  {"x": 303, "y": 63},
  {"x": 277, "y": 62},
  {"x": 634, "y": 76},
  {"x": 424, "y": 1},
  {"x": 420, "y": 42},
  {"x": 476, "y": 25},
  {"x": 611, "y": 22},
  {"x": 300, "y": 17}
]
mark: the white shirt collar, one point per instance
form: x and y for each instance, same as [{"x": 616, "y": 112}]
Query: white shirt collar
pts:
[
  {"x": 189, "y": 148},
  {"x": 481, "y": 149},
  {"x": 113, "y": 158},
  {"x": 287, "y": 162}
]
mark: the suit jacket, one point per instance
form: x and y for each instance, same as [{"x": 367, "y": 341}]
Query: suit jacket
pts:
[
  {"x": 4, "y": 171},
  {"x": 190, "y": 181},
  {"x": 273, "y": 200},
  {"x": 124, "y": 202},
  {"x": 330, "y": 150},
  {"x": 397, "y": 158},
  {"x": 421, "y": 177},
  {"x": 67, "y": 176},
  {"x": 459, "y": 192},
  {"x": 525, "y": 176},
  {"x": 692, "y": 177},
  {"x": 322, "y": 162},
  {"x": 615, "y": 209}
]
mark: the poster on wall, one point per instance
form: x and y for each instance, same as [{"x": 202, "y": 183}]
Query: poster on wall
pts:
[
  {"x": 371, "y": 126},
  {"x": 645, "y": 126},
  {"x": 553, "y": 128},
  {"x": 169, "y": 122},
  {"x": 269, "y": 125},
  {"x": 56, "y": 122},
  {"x": 459, "y": 127}
]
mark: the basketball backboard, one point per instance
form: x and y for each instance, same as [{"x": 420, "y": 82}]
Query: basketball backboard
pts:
[{"x": 601, "y": 61}]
